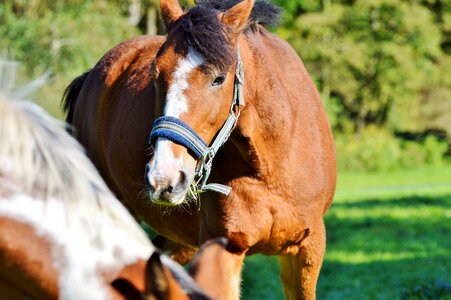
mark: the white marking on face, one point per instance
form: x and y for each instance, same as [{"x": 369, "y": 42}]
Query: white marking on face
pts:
[
  {"x": 82, "y": 242},
  {"x": 165, "y": 163},
  {"x": 163, "y": 150},
  {"x": 176, "y": 102}
]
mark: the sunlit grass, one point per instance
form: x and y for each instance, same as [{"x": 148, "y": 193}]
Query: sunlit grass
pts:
[
  {"x": 387, "y": 238},
  {"x": 389, "y": 184},
  {"x": 396, "y": 212}
]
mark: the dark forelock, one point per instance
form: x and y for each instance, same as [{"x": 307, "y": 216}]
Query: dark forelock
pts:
[{"x": 205, "y": 34}]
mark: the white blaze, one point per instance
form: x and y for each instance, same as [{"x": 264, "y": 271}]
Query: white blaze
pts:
[
  {"x": 176, "y": 102},
  {"x": 165, "y": 163}
]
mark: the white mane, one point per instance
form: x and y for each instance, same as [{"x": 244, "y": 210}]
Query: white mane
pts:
[
  {"x": 39, "y": 155},
  {"x": 53, "y": 186}
]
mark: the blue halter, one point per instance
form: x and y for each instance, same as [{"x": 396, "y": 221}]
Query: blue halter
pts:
[{"x": 181, "y": 133}]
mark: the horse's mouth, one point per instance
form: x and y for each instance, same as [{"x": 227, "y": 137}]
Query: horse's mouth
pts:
[
  {"x": 168, "y": 204},
  {"x": 168, "y": 186},
  {"x": 168, "y": 198}
]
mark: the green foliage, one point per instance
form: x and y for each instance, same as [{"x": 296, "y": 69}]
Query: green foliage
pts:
[
  {"x": 372, "y": 56},
  {"x": 66, "y": 37},
  {"x": 376, "y": 149},
  {"x": 295, "y": 7},
  {"x": 373, "y": 150},
  {"x": 435, "y": 149},
  {"x": 414, "y": 154},
  {"x": 381, "y": 63}
]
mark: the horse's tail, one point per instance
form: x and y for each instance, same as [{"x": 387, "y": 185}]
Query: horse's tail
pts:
[{"x": 71, "y": 94}]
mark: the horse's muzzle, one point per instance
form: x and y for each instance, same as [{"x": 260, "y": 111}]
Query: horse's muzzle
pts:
[{"x": 165, "y": 190}]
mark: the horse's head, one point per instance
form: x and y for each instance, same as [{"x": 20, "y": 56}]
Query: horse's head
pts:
[{"x": 197, "y": 77}]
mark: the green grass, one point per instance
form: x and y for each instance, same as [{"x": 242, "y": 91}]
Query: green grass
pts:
[{"x": 388, "y": 237}]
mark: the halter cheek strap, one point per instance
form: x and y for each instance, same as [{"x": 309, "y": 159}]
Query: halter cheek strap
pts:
[{"x": 181, "y": 133}]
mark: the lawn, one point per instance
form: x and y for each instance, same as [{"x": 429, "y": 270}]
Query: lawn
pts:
[{"x": 388, "y": 237}]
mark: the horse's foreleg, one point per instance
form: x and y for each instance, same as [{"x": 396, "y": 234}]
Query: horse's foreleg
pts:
[
  {"x": 300, "y": 272},
  {"x": 178, "y": 252}
]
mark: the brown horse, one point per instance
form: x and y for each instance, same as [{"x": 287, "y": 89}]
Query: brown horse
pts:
[
  {"x": 218, "y": 74},
  {"x": 63, "y": 235}
]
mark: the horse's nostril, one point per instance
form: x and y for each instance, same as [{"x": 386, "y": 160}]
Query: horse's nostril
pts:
[
  {"x": 159, "y": 187},
  {"x": 166, "y": 194},
  {"x": 183, "y": 178},
  {"x": 169, "y": 189}
]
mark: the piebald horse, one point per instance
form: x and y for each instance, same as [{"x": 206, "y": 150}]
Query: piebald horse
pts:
[
  {"x": 240, "y": 143},
  {"x": 63, "y": 235}
]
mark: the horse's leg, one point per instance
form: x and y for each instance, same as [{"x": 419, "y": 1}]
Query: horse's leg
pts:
[
  {"x": 300, "y": 272},
  {"x": 178, "y": 252}
]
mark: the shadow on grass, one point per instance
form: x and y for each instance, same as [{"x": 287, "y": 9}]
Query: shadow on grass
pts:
[
  {"x": 399, "y": 279},
  {"x": 374, "y": 254}
]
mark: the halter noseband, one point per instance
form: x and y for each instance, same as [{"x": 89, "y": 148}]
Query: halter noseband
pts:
[{"x": 181, "y": 133}]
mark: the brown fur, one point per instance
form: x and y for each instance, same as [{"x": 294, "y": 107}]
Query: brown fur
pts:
[
  {"x": 210, "y": 268},
  {"x": 280, "y": 159},
  {"x": 26, "y": 268}
]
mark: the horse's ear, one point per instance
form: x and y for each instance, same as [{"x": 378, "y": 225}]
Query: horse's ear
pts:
[
  {"x": 236, "y": 18},
  {"x": 157, "y": 283},
  {"x": 171, "y": 11}
]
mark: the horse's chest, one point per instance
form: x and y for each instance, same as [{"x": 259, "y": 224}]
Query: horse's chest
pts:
[{"x": 260, "y": 222}]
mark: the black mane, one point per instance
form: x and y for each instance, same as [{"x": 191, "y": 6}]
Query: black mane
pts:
[
  {"x": 205, "y": 34},
  {"x": 264, "y": 12}
]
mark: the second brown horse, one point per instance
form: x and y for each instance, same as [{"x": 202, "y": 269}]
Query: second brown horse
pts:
[{"x": 279, "y": 160}]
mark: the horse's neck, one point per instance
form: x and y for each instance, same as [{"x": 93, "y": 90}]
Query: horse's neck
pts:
[{"x": 266, "y": 122}]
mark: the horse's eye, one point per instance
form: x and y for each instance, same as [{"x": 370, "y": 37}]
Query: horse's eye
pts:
[{"x": 219, "y": 80}]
